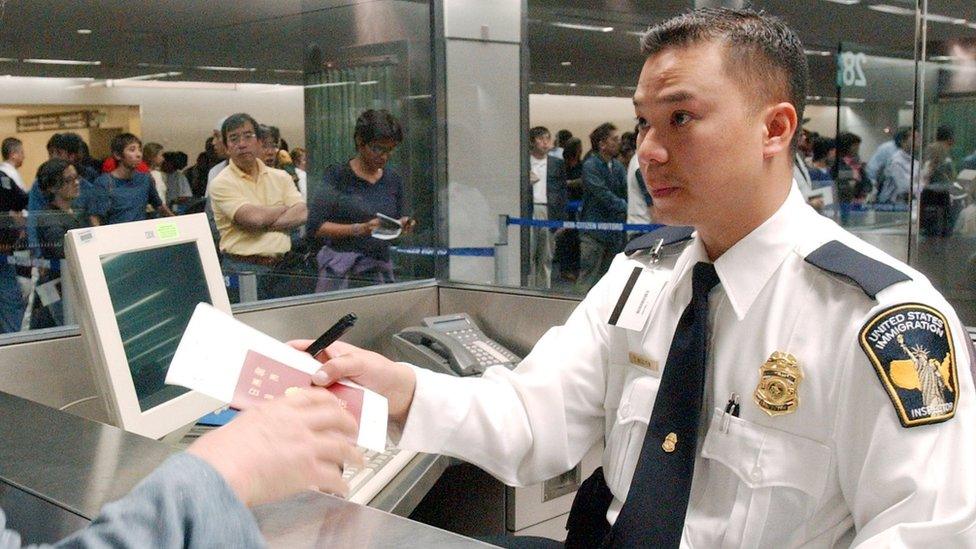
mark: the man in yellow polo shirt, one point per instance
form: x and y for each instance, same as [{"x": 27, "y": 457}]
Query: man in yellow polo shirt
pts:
[{"x": 255, "y": 206}]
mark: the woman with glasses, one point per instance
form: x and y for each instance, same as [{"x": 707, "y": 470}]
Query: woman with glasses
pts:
[
  {"x": 344, "y": 214},
  {"x": 59, "y": 183}
]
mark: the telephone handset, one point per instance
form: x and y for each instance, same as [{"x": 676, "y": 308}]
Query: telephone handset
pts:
[{"x": 452, "y": 344}]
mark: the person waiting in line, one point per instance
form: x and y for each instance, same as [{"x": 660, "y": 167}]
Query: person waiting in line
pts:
[
  {"x": 152, "y": 155},
  {"x": 59, "y": 182},
  {"x": 547, "y": 188},
  {"x": 274, "y": 156},
  {"x": 342, "y": 212},
  {"x": 12, "y": 150},
  {"x": 604, "y": 201},
  {"x": 200, "y": 497},
  {"x": 895, "y": 181},
  {"x": 178, "y": 192},
  {"x": 122, "y": 194},
  {"x": 824, "y": 155},
  {"x": 255, "y": 206},
  {"x": 760, "y": 377},
  {"x": 874, "y": 169},
  {"x": 299, "y": 157},
  {"x": 628, "y": 146},
  {"x": 197, "y": 173},
  {"x": 71, "y": 147},
  {"x": 639, "y": 201},
  {"x": 13, "y": 202},
  {"x": 853, "y": 186},
  {"x": 562, "y": 136},
  {"x": 939, "y": 168},
  {"x": 566, "y": 254}
]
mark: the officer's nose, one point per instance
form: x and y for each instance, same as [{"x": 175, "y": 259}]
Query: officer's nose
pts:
[{"x": 650, "y": 150}]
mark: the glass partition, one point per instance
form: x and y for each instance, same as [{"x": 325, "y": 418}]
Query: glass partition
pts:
[{"x": 73, "y": 80}]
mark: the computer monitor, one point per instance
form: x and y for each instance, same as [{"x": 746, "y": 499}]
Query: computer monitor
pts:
[{"x": 137, "y": 285}]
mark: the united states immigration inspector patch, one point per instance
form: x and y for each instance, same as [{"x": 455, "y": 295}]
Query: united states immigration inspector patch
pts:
[{"x": 910, "y": 346}]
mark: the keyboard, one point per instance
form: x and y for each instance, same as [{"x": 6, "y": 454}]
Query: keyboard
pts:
[{"x": 379, "y": 469}]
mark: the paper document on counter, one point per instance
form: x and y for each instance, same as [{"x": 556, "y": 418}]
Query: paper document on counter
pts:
[{"x": 228, "y": 360}]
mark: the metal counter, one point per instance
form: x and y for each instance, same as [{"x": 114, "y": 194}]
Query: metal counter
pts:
[{"x": 57, "y": 470}]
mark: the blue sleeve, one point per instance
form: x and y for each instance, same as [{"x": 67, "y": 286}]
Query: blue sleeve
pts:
[
  {"x": 98, "y": 200},
  {"x": 184, "y": 503},
  {"x": 599, "y": 189},
  {"x": 153, "y": 196},
  {"x": 321, "y": 202}
]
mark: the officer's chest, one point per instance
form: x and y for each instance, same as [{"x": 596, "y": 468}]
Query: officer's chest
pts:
[{"x": 778, "y": 361}]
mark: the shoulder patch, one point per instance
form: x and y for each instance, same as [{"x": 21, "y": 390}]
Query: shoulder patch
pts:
[
  {"x": 665, "y": 235},
  {"x": 868, "y": 273},
  {"x": 910, "y": 347}
]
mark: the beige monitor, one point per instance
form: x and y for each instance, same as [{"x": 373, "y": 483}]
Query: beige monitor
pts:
[{"x": 137, "y": 285}]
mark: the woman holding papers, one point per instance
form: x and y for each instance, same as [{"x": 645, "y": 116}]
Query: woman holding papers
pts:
[{"x": 359, "y": 208}]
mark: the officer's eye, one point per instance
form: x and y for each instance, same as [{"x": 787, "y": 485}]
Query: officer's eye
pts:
[
  {"x": 680, "y": 118},
  {"x": 641, "y": 124}
]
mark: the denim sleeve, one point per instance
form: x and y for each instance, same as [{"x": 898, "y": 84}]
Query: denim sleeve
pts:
[{"x": 183, "y": 503}]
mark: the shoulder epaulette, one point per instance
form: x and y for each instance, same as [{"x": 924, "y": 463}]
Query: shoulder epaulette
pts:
[
  {"x": 664, "y": 236},
  {"x": 868, "y": 273}
]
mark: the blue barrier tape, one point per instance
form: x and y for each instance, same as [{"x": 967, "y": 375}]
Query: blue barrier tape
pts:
[
  {"x": 583, "y": 225},
  {"x": 870, "y": 207},
  {"x": 423, "y": 250}
]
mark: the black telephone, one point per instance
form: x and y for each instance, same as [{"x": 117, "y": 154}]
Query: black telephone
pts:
[{"x": 452, "y": 344}]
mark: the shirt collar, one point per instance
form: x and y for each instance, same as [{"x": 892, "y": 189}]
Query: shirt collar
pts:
[
  {"x": 241, "y": 173},
  {"x": 745, "y": 268}
]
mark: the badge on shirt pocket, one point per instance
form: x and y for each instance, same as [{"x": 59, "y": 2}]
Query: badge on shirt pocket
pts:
[{"x": 910, "y": 347}]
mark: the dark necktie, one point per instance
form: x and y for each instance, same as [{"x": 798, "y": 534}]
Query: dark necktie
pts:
[{"x": 654, "y": 513}]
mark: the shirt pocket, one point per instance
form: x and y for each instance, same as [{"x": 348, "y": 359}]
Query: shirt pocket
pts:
[
  {"x": 627, "y": 433},
  {"x": 780, "y": 477}
]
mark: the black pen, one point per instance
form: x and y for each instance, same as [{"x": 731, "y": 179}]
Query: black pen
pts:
[{"x": 331, "y": 335}]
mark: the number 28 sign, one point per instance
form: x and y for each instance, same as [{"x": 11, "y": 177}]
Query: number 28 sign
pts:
[{"x": 850, "y": 69}]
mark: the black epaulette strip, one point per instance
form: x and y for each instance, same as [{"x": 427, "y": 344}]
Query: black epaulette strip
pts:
[
  {"x": 670, "y": 235},
  {"x": 868, "y": 273}
]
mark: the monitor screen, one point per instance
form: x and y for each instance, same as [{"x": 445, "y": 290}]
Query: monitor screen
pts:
[{"x": 154, "y": 292}]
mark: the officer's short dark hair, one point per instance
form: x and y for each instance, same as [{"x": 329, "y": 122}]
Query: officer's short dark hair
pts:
[
  {"x": 123, "y": 140},
  {"x": 238, "y": 120},
  {"x": 536, "y": 133},
  {"x": 377, "y": 125},
  {"x": 762, "y": 52},
  {"x": 10, "y": 146},
  {"x": 50, "y": 176},
  {"x": 822, "y": 147},
  {"x": 601, "y": 132}
]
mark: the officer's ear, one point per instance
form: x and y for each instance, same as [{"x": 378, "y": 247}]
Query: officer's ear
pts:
[{"x": 780, "y": 123}]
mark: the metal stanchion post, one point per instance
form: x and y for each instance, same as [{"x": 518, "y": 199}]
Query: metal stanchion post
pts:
[
  {"x": 501, "y": 245},
  {"x": 247, "y": 285}
]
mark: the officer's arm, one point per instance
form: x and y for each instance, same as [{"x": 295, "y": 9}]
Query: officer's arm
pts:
[{"x": 906, "y": 486}]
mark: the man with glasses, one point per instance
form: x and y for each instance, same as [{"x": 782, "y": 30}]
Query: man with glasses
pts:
[{"x": 255, "y": 206}]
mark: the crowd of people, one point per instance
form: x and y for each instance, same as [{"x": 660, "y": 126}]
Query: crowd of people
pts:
[
  {"x": 605, "y": 186},
  {"x": 252, "y": 187}
]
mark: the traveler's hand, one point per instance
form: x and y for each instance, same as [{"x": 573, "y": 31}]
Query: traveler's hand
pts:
[
  {"x": 372, "y": 224},
  {"x": 371, "y": 370},
  {"x": 283, "y": 446}
]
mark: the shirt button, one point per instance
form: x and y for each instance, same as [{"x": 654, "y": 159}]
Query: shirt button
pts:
[{"x": 756, "y": 474}]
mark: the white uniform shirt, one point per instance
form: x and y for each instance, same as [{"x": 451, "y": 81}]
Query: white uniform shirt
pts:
[
  {"x": 839, "y": 470},
  {"x": 540, "y": 169}
]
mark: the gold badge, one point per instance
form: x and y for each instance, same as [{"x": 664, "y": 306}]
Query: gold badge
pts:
[
  {"x": 670, "y": 442},
  {"x": 779, "y": 380}
]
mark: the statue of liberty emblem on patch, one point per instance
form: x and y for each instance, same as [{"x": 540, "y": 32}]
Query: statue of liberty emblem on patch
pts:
[{"x": 911, "y": 349}]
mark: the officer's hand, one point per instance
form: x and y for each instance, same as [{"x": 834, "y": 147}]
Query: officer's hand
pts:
[
  {"x": 371, "y": 370},
  {"x": 283, "y": 446}
]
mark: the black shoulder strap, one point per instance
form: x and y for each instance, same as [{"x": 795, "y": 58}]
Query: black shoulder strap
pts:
[
  {"x": 665, "y": 235},
  {"x": 868, "y": 273}
]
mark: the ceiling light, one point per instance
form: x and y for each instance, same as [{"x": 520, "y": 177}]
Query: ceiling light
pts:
[
  {"x": 84, "y": 31},
  {"x": 225, "y": 69},
  {"x": 155, "y": 76},
  {"x": 853, "y": 99},
  {"x": 895, "y": 10},
  {"x": 578, "y": 26},
  {"x": 329, "y": 85},
  {"x": 287, "y": 71},
  {"x": 845, "y": 2},
  {"x": 941, "y": 58},
  {"x": 637, "y": 33},
  {"x": 369, "y": 83},
  {"x": 61, "y": 62},
  {"x": 7, "y": 60},
  {"x": 821, "y": 53},
  {"x": 566, "y": 63},
  {"x": 945, "y": 19},
  {"x": 171, "y": 84}
]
